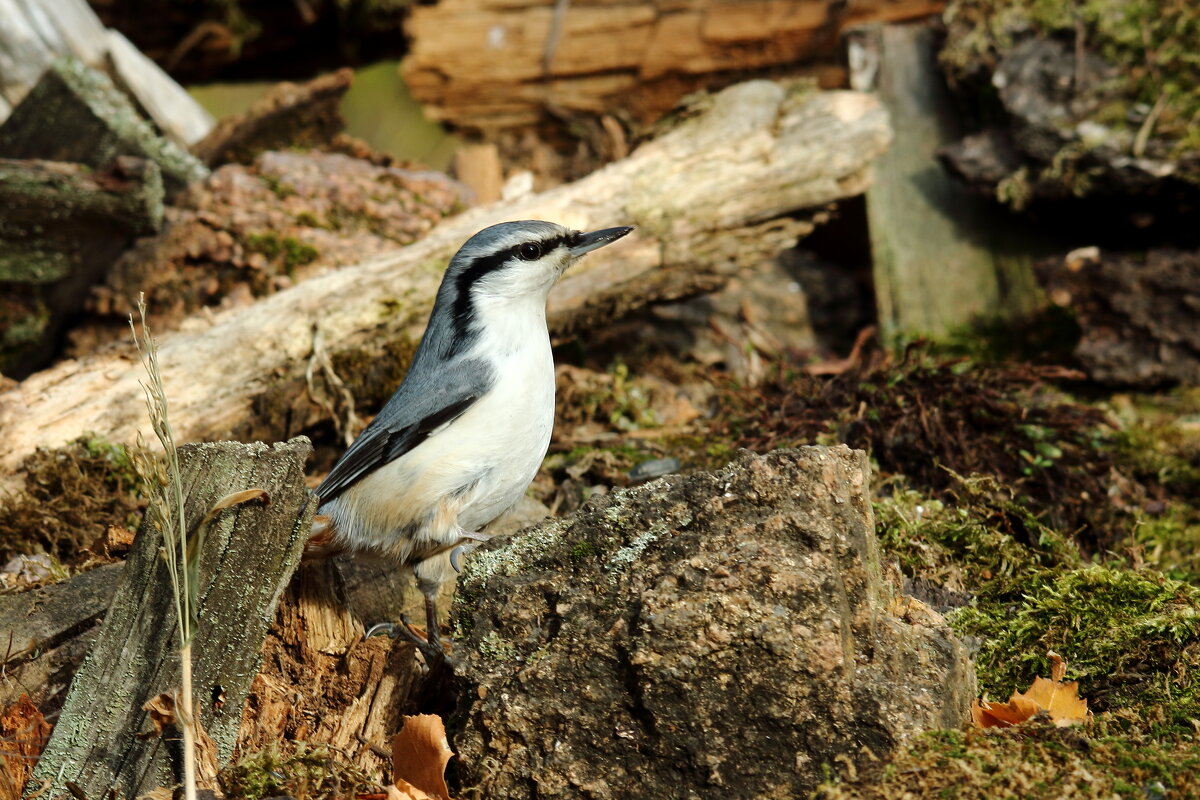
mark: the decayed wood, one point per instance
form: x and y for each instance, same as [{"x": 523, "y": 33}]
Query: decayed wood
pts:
[
  {"x": 248, "y": 555},
  {"x": 941, "y": 254},
  {"x": 492, "y": 63},
  {"x": 33, "y": 35},
  {"x": 719, "y": 191},
  {"x": 321, "y": 683}
]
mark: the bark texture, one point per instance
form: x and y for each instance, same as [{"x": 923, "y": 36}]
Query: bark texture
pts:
[
  {"x": 488, "y": 64},
  {"x": 719, "y": 191},
  {"x": 248, "y": 555},
  {"x": 728, "y": 633}
]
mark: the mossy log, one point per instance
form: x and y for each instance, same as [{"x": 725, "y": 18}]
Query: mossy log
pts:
[
  {"x": 721, "y": 190},
  {"x": 248, "y": 555},
  {"x": 75, "y": 113},
  {"x": 61, "y": 227}
]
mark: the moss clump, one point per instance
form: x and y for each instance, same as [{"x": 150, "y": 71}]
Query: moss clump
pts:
[
  {"x": 293, "y": 252},
  {"x": 1036, "y": 761},
  {"x": 304, "y": 773},
  {"x": 72, "y": 495},
  {"x": 1131, "y": 638},
  {"x": 981, "y": 534}
]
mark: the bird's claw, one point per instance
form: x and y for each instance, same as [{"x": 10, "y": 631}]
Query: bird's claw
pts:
[
  {"x": 455, "y": 555},
  {"x": 430, "y": 645}
]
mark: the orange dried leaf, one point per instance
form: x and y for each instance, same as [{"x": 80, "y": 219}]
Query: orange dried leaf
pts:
[
  {"x": 986, "y": 714},
  {"x": 1060, "y": 700},
  {"x": 162, "y": 714},
  {"x": 23, "y": 732},
  {"x": 419, "y": 756}
]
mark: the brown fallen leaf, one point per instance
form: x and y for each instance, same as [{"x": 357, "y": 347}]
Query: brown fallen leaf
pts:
[
  {"x": 419, "y": 756},
  {"x": 23, "y": 734},
  {"x": 1058, "y": 699}
]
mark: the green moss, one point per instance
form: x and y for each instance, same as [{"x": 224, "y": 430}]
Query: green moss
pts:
[
  {"x": 1131, "y": 638},
  {"x": 981, "y": 535},
  {"x": 294, "y": 252},
  {"x": 582, "y": 550},
  {"x": 1036, "y": 761},
  {"x": 306, "y": 773}
]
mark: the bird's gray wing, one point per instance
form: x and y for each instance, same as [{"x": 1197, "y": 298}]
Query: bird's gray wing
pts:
[{"x": 417, "y": 409}]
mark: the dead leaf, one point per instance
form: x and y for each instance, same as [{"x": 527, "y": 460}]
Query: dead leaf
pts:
[
  {"x": 162, "y": 714},
  {"x": 1058, "y": 699},
  {"x": 419, "y": 756},
  {"x": 236, "y": 499},
  {"x": 24, "y": 732}
]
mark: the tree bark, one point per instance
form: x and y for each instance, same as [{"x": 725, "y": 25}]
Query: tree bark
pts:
[
  {"x": 719, "y": 191},
  {"x": 248, "y": 555}
]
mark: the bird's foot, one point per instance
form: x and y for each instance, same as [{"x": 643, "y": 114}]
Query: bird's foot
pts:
[
  {"x": 467, "y": 542},
  {"x": 430, "y": 644}
]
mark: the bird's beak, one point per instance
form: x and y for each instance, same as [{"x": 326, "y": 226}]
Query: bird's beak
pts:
[{"x": 587, "y": 242}]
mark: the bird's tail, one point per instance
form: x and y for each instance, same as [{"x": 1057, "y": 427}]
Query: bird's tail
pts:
[{"x": 323, "y": 540}]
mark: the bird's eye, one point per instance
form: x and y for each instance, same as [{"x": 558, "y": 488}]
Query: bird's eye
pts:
[{"x": 530, "y": 251}]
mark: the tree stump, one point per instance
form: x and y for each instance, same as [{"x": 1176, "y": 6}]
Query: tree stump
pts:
[{"x": 248, "y": 556}]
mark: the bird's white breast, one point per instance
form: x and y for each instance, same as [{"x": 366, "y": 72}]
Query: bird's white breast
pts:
[{"x": 471, "y": 469}]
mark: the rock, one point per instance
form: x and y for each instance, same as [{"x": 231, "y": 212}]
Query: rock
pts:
[
  {"x": 74, "y": 113},
  {"x": 1139, "y": 313},
  {"x": 724, "y": 634}
]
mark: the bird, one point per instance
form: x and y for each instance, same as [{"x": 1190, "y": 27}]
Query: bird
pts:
[{"x": 461, "y": 439}]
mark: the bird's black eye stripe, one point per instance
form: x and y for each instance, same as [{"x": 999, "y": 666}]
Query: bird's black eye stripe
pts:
[{"x": 530, "y": 251}]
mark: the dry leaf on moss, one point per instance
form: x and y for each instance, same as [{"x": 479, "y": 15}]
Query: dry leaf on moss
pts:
[
  {"x": 1059, "y": 699},
  {"x": 419, "y": 756}
]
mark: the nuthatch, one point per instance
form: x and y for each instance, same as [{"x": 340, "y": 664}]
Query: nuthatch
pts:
[{"x": 464, "y": 435}]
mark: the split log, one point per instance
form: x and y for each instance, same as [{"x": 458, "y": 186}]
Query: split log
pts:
[
  {"x": 487, "y": 64},
  {"x": 33, "y": 35},
  {"x": 249, "y": 553},
  {"x": 941, "y": 254},
  {"x": 75, "y": 113},
  {"x": 721, "y": 190},
  {"x": 61, "y": 227}
]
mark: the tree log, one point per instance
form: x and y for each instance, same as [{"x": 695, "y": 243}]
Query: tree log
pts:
[
  {"x": 249, "y": 554},
  {"x": 484, "y": 64},
  {"x": 719, "y": 191}
]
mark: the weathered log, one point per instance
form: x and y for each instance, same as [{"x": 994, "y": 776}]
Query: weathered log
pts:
[
  {"x": 721, "y": 190},
  {"x": 61, "y": 227},
  {"x": 33, "y": 35},
  {"x": 486, "y": 64},
  {"x": 941, "y": 254},
  {"x": 75, "y": 113},
  {"x": 248, "y": 554}
]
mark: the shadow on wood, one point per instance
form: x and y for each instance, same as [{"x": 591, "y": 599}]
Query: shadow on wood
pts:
[{"x": 249, "y": 554}]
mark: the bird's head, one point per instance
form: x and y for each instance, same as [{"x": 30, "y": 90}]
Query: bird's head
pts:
[{"x": 511, "y": 266}]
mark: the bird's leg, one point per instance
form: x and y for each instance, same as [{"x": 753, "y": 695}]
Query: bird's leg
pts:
[{"x": 431, "y": 644}]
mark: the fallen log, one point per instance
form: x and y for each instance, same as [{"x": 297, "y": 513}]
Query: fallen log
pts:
[
  {"x": 488, "y": 65},
  {"x": 721, "y": 190},
  {"x": 248, "y": 554}
]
